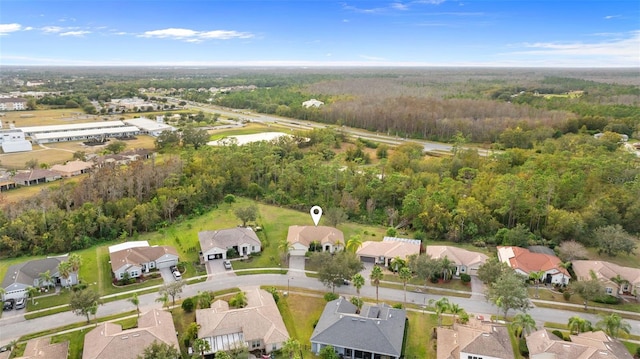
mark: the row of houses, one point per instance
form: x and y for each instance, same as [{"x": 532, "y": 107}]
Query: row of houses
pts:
[
  {"x": 482, "y": 339},
  {"x": 10, "y": 180}
]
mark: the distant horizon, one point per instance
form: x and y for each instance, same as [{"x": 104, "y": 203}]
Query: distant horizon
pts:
[{"x": 322, "y": 33}]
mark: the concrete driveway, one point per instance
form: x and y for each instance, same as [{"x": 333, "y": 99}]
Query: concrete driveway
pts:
[
  {"x": 477, "y": 288},
  {"x": 215, "y": 268},
  {"x": 167, "y": 276},
  {"x": 297, "y": 265}
]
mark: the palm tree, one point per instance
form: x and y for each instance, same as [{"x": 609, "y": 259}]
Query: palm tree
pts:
[
  {"x": 397, "y": 263},
  {"x": 613, "y": 324},
  {"x": 441, "y": 305},
  {"x": 164, "y": 299},
  {"x": 76, "y": 262},
  {"x": 47, "y": 278},
  {"x": 31, "y": 293},
  {"x": 284, "y": 247},
  {"x": 523, "y": 323},
  {"x": 353, "y": 243},
  {"x": 447, "y": 266},
  {"x": 135, "y": 301},
  {"x": 291, "y": 348},
  {"x": 579, "y": 325},
  {"x": 537, "y": 278},
  {"x": 64, "y": 268},
  {"x": 456, "y": 310},
  {"x": 239, "y": 300},
  {"x": 376, "y": 276},
  {"x": 358, "y": 282},
  {"x": 405, "y": 275},
  {"x": 201, "y": 346}
]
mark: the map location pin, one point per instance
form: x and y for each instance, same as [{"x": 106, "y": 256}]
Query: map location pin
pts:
[{"x": 316, "y": 213}]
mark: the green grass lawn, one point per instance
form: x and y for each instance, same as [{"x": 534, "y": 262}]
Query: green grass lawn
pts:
[
  {"x": 299, "y": 313},
  {"x": 546, "y": 294},
  {"x": 76, "y": 342},
  {"x": 418, "y": 343}
]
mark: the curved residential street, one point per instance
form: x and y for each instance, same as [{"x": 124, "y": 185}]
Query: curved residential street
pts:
[{"x": 14, "y": 327}]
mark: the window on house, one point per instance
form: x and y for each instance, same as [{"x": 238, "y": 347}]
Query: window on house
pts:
[
  {"x": 134, "y": 273},
  {"x": 255, "y": 344},
  {"x": 609, "y": 290}
]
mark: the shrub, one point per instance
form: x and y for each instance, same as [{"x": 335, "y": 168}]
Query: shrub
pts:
[
  {"x": 465, "y": 278},
  {"x": 274, "y": 293},
  {"x": 397, "y": 306},
  {"x": 566, "y": 295},
  {"x": 391, "y": 232},
  {"x": 330, "y": 296},
  {"x": 522, "y": 346},
  {"x": 187, "y": 305},
  {"x": 558, "y": 334},
  {"x": 607, "y": 299}
]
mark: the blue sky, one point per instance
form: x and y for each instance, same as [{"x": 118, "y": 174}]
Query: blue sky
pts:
[{"x": 547, "y": 33}]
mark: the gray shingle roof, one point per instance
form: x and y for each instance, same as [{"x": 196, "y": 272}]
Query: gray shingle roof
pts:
[
  {"x": 26, "y": 273},
  {"x": 378, "y": 329}
]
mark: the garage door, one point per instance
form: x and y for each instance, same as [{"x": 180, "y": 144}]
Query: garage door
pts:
[
  {"x": 297, "y": 252},
  {"x": 368, "y": 259},
  {"x": 211, "y": 257},
  {"x": 166, "y": 264}
]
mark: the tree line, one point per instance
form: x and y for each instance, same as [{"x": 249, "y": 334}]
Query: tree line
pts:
[{"x": 569, "y": 188}]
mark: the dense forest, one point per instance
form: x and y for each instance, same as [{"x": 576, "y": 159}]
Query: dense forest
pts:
[
  {"x": 550, "y": 181},
  {"x": 562, "y": 189}
]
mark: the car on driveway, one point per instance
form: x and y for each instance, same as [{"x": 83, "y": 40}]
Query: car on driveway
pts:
[
  {"x": 227, "y": 264},
  {"x": 21, "y": 303},
  {"x": 177, "y": 275},
  {"x": 8, "y": 304}
]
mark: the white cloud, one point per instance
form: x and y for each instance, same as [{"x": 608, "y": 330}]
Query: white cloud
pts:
[
  {"x": 74, "y": 33},
  {"x": 52, "y": 29},
  {"x": 8, "y": 28},
  {"x": 432, "y": 2},
  {"x": 28, "y": 28},
  {"x": 372, "y": 58},
  {"x": 399, "y": 6},
  {"x": 609, "y": 17},
  {"x": 616, "y": 51},
  {"x": 196, "y": 36}
]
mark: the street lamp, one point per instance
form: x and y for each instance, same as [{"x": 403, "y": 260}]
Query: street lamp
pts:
[{"x": 288, "y": 287}]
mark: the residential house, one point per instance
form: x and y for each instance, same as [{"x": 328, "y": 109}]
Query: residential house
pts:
[
  {"x": 590, "y": 345},
  {"x": 108, "y": 340},
  {"x": 72, "y": 168},
  {"x": 477, "y": 339},
  {"x": 525, "y": 262},
  {"x": 391, "y": 247},
  {"x": 617, "y": 279},
  {"x": 21, "y": 276},
  {"x": 258, "y": 326},
  {"x": 466, "y": 261},
  {"x": 377, "y": 331},
  {"x": 35, "y": 176},
  {"x": 215, "y": 244},
  {"x": 138, "y": 257},
  {"x": 42, "y": 348},
  {"x": 301, "y": 237}
]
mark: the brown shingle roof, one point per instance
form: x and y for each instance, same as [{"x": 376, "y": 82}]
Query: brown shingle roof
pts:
[
  {"x": 42, "y": 348},
  {"x": 605, "y": 271},
  {"x": 307, "y": 234},
  {"x": 260, "y": 320},
  {"x": 226, "y": 238},
  {"x": 139, "y": 255},
  {"x": 388, "y": 249},
  {"x": 457, "y": 255},
  {"x": 108, "y": 340},
  {"x": 476, "y": 337},
  {"x": 590, "y": 345}
]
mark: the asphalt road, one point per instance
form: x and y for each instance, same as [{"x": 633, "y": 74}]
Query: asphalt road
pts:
[{"x": 14, "y": 327}]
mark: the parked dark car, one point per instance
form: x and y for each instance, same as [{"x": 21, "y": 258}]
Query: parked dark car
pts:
[{"x": 8, "y": 304}]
